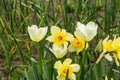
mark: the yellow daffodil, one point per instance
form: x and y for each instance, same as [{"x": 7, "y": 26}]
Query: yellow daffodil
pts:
[
  {"x": 66, "y": 66},
  {"x": 59, "y": 51},
  {"x": 108, "y": 46},
  {"x": 59, "y": 36},
  {"x": 37, "y": 34},
  {"x": 106, "y": 78},
  {"x": 77, "y": 44},
  {"x": 116, "y": 47},
  {"x": 112, "y": 45},
  {"x": 88, "y": 32}
]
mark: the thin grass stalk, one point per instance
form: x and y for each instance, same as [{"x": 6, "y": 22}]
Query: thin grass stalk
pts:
[
  {"x": 74, "y": 15},
  {"x": 7, "y": 56},
  {"x": 64, "y": 12},
  {"x": 19, "y": 49}
]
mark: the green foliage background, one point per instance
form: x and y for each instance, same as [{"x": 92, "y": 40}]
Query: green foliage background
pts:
[{"x": 16, "y": 48}]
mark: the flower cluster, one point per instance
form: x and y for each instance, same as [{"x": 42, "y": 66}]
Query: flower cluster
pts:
[{"x": 63, "y": 42}]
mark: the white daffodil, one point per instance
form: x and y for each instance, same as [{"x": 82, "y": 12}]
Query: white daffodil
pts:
[
  {"x": 66, "y": 66},
  {"x": 87, "y": 32},
  {"x": 37, "y": 34},
  {"x": 59, "y": 36},
  {"x": 59, "y": 51}
]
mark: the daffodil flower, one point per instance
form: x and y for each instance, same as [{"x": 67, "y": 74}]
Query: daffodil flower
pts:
[
  {"x": 77, "y": 44},
  {"x": 59, "y": 36},
  {"x": 62, "y": 69},
  {"x": 108, "y": 46},
  {"x": 59, "y": 51},
  {"x": 88, "y": 31},
  {"x": 111, "y": 45},
  {"x": 116, "y": 47},
  {"x": 37, "y": 34}
]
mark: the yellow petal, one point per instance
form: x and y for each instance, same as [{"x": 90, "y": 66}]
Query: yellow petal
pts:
[
  {"x": 108, "y": 57},
  {"x": 67, "y": 61},
  {"x": 75, "y": 67},
  {"x": 106, "y": 78},
  {"x": 116, "y": 60},
  {"x": 111, "y": 78},
  {"x": 105, "y": 40},
  {"x": 118, "y": 55},
  {"x": 57, "y": 64},
  {"x": 54, "y": 29}
]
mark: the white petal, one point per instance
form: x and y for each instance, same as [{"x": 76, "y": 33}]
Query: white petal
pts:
[
  {"x": 54, "y": 29},
  {"x": 65, "y": 43},
  {"x": 57, "y": 64},
  {"x": 44, "y": 32},
  {"x": 69, "y": 37},
  {"x": 79, "y": 34},
  {"x": 71, "y": 48},
  {"x": 50, "y": 38},
  {"x": 91, "y": 31},
  {"x": 67, "y": 61},
  {"x": 75, "y": 67},
  {"x": 92, "y": 25},
  {"x": 81, "y": 27},
  {"x": 34, "y": 26},
  {"x": 60, "y": 77},
  {"x": 38, "y": 34},
  {"x": 108, "y": 57},
  {"x": 32, "y": 32},
  {"x": 73, "y": 77},
  {"x": 59, "y": 51}
]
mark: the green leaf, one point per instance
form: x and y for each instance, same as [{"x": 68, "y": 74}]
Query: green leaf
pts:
[
  {"x": 99, "y": 47},
  {"x": 66, "y": 78},
  {"x": 33, "y": 73},
  {"x": 48, "y": 70}
]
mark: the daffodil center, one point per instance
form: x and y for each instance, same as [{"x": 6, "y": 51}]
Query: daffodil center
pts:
[
  {"x": 59, "y": 38},
  {"x": 66, "y": 68},
  {"x": 77, "y": 42}
]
